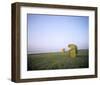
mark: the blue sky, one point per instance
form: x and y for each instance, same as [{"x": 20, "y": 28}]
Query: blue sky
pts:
[{"x": 51, "y": 33}]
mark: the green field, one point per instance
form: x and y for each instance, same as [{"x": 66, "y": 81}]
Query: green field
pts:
[{"x": 57, "y": 60}]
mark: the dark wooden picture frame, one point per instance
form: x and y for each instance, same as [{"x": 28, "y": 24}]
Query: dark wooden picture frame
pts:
[{"x": 16, "y": 46}]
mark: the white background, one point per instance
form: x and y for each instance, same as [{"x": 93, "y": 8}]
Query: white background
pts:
[{"x": 5, "y": 42}]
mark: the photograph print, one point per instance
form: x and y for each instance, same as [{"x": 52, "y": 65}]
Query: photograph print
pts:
[{"x": 57, "y": 42}]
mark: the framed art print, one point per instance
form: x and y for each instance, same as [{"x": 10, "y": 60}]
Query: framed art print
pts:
[{"x": 53, "y": 42}]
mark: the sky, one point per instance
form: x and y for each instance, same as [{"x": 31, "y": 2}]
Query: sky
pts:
[{"x": 51, "y": 33}]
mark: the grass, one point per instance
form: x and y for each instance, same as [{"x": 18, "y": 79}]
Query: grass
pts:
[{"x": 57, "y": 60}]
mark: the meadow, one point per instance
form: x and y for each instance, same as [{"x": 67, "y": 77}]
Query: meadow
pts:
[{"x": 57, "y": 60}]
